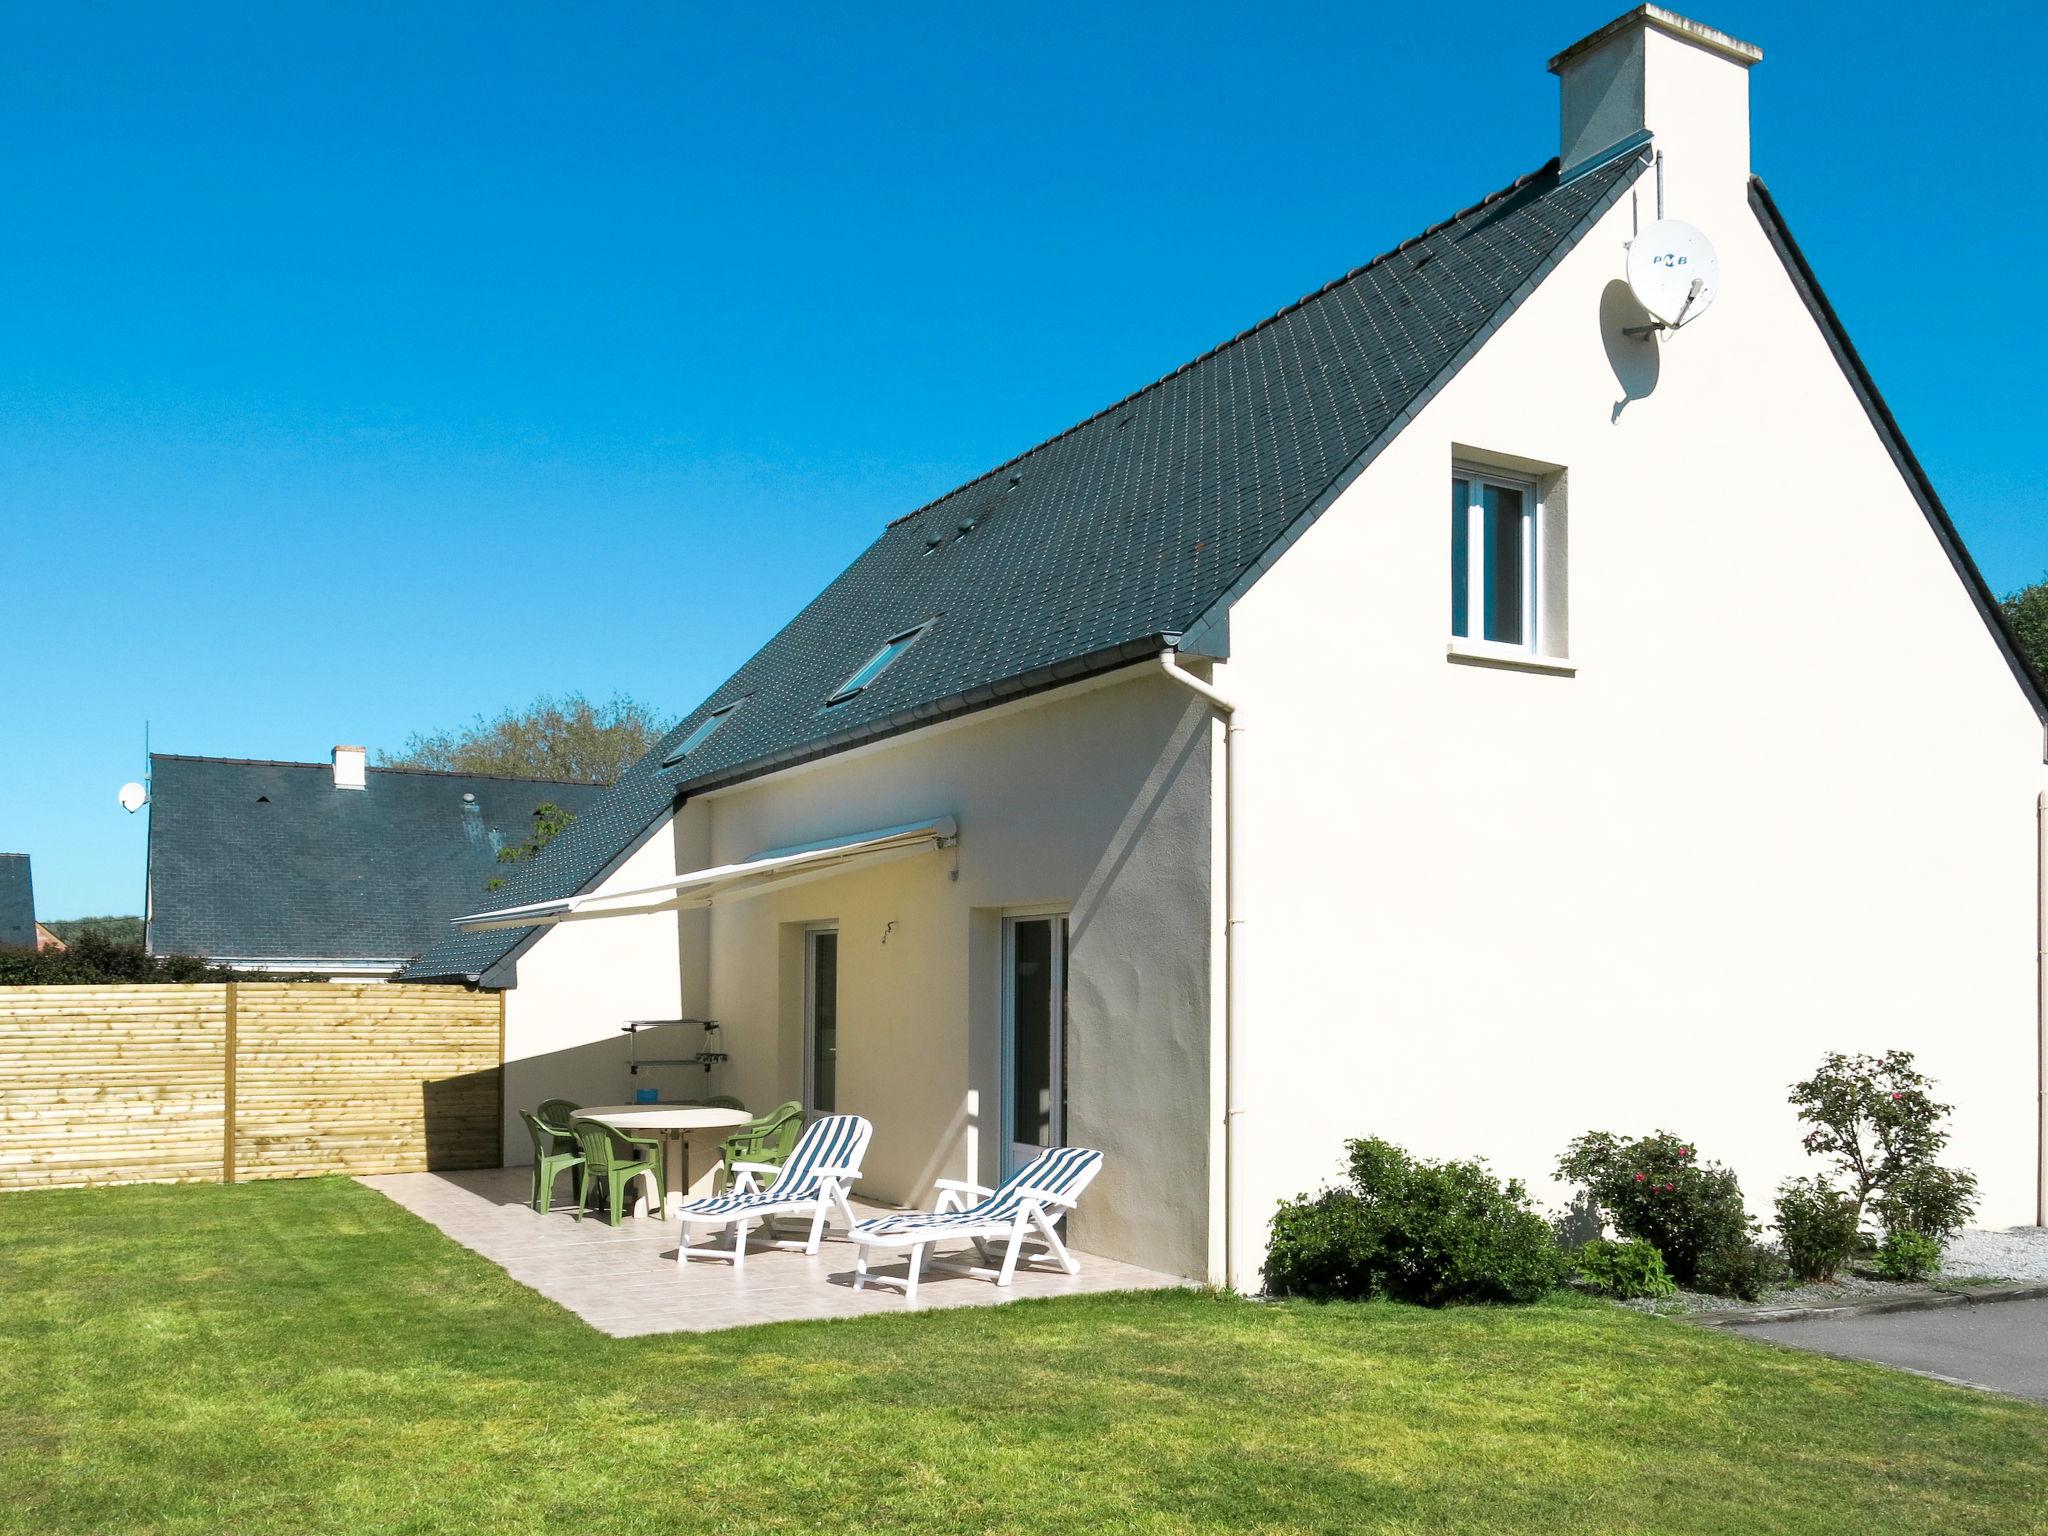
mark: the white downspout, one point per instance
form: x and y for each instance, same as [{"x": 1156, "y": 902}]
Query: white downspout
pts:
[
  {"x": 2041, "y": 1013},
  {"x": 1231, "y": 967}
]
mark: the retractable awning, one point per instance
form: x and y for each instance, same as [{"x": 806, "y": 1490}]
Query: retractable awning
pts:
[{"x": 775, "y": 869}]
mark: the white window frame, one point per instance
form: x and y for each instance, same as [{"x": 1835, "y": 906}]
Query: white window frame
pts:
[
  {"x": 1478, "y": 477},
  {"x": 1006, "y": 1086}
]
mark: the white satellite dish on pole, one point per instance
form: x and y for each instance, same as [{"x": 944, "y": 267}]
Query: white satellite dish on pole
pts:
[
  {"x": 1673, "y": 273},
  {"x": 133, "y": 797}
]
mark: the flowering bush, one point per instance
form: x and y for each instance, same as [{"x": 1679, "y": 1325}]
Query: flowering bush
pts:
[
  {"x": 1656, "y": 1188},
  {"x": 1908, "y": 1256},
  {"x": 1412, "y": 1230},
  {"x": 1874, "y": 1115},
  {"x": 1626, "y": 1270},
  {"x": 1819, "y": 1226}
]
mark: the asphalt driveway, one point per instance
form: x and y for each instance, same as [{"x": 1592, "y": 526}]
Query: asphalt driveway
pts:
[{"x": 1999, "y": 1345}]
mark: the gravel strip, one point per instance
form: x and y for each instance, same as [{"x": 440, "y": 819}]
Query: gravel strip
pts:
[
  {"x": 1976, "y": 1255},
  {"x": 2017, "y": 1253}
]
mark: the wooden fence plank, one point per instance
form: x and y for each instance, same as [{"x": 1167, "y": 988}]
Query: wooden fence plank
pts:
[{"x": 247, "y": 1080}]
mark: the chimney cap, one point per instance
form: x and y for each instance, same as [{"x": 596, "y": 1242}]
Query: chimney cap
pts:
[{"x": 1682, "y": 27}]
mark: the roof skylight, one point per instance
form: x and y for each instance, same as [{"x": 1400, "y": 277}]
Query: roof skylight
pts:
[
  {"x": 878, "y": 663},
  {"x": 701, "y": 733}
]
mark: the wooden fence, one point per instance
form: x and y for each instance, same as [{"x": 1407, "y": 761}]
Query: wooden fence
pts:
[{"x": 245, "y": 1080}]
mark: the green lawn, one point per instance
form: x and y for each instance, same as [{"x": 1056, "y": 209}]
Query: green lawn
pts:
[{"x": 305, "y": 1357}]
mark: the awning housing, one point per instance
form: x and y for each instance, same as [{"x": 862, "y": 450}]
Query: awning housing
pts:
[{"x": 774, "y": 869}]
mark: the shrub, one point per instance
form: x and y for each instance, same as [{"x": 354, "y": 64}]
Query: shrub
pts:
[
  {"x": 1656, "y": 1189},
  {"x": 1933, "y": 1202},
  {"x": 1908, "y": 1255},
  {"x": 1819, "y": 1226},
  {"x": 1411, "y": 1230},
  {"x": 94, "y": 959},
  {"x": 1627, "y": 1270},
  {"x": 1742, "y": 1269},
  {"x": 1874, "y": 1115}
]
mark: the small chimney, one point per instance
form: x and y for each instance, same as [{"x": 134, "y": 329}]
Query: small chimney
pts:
[
  {"x": 351, "y": 768},
  {"x": 1686, "y": 84}
]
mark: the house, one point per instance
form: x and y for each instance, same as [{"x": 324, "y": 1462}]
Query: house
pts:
[
  {"x": 1191, "y": 787},
  {"x": 329, "y": 869},
  {"x": 19, "y": 929}
]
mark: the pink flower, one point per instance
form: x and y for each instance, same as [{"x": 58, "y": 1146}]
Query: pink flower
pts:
[
  {"x": 1640, "y": 1177},
  {"x": 1898, "y": 1095}
]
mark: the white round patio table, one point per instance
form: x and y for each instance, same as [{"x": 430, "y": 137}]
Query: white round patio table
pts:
[{"x": 673, "y": 1124}]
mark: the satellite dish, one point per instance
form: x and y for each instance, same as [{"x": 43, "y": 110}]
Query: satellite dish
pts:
[
  {"x": 1673, "y": 272},
  {"x": 133, "y": 797}
]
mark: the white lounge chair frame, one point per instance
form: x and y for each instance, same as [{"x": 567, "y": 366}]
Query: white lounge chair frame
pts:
[
  {"x": 1026, "y": 1208},
  {"x": 815, "y": 1179}
]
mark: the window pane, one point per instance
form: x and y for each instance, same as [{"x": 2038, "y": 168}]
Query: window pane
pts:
[
  {"x": 1505, "y": 556},
  {"x": 1461, "y": 557},
  {"x": 1031, "y": 1024},
  {"x": 824, "y": 1022}
]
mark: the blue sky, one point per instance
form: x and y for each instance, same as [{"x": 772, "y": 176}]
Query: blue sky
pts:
[{"x": 365, "y": 367}]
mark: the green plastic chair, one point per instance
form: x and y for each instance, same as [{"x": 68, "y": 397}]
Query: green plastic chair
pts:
[
  {"x": 723, "y": 1101},
  {"x": 766, "y": 1140},
  {"x": 602, "y": 1159},
  {"x": 554, "y": 1154},
  {"x": 559, "y": 1113}
]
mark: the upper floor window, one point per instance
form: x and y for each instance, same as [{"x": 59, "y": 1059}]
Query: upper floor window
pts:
[
  {"x": 700, "y": 734},
  {"x": 878, "y": 663},
  {"x": 1496, "y": 594}
]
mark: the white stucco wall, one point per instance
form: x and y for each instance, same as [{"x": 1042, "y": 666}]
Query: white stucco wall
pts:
[
  {"x": 1097, "y": 802},
  {"x": 577, "y": 983},
  {"x": 1786, "y": 805}
]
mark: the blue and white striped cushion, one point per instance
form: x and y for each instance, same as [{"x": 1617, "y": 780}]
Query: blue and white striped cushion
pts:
[
  {"x": 837, "y": 1141},
  {"x": 1057, "y": 1172}
]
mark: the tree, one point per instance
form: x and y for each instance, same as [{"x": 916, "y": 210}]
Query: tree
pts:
[
  {"x": 552, "y": 738},
  {"x": 2027, "y": 610},
  {"x": 118, "y": 930},
  {"x": 549, "y": 822},
  {"x": 1876, "y": 1116}
]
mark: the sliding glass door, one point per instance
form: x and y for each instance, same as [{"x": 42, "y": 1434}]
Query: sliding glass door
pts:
[
  {"x": 821, "y": 1020},
  {"x": 1034, "y": 1037}
]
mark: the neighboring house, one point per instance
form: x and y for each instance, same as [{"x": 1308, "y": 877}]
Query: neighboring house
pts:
[
  {"x": 48, "y": 940},
  {"x": 18, "y": 927},
  {"x": 334, "y": 869},
  {"x": 1192, "y": 787}
]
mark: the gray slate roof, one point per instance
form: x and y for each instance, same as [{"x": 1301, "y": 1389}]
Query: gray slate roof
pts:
[
  {"x": 1132, "y": 530},
  {"x": 269, "y": 861},
  {"x": 17, "y": 903}
]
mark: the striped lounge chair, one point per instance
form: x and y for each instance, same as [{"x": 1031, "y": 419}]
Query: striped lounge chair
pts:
[
  {"x": 816, "y": 1176},
  {"x": 1025, "y": 1208}
]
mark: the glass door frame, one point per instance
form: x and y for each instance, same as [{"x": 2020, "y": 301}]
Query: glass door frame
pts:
[
  {"x": 810, "y": 1091},
  {"x": 1013, "y": 1154}
]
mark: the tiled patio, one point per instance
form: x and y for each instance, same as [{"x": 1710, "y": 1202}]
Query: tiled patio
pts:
[{"x": 625, "y": 1280}]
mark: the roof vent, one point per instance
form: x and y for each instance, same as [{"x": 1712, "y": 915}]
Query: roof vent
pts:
[{"x": 351, "y": 768}]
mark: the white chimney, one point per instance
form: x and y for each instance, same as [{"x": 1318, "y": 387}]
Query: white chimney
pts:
[
  {"x": 351, "y": 768},
  {"x": 1686, "y": 84}
]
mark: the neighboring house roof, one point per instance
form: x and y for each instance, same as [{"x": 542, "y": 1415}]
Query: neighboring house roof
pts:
[
  {"x": 1127, "y": 533},
  {"x": 261, "y": 861},
  {"x": 17, "y": 903},
  {"x": 48, "y": 940}
]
